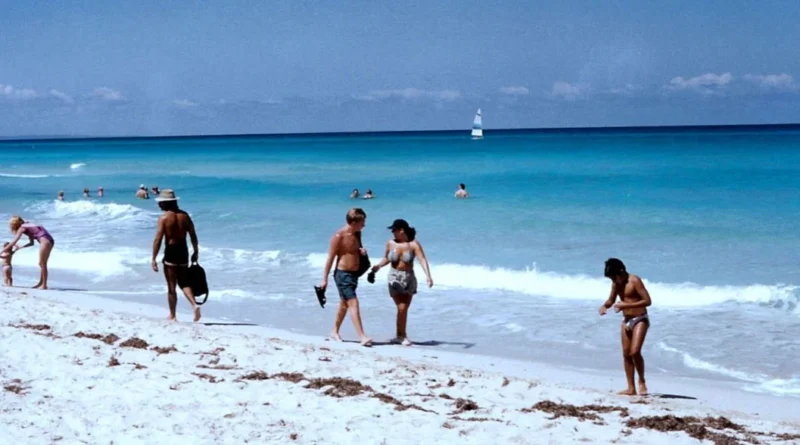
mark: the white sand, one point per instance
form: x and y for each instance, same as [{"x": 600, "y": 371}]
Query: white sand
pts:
[{"x": 60, "y": 388}]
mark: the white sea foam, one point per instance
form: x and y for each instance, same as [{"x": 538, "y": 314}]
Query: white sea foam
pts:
[
  {"x": 97, "y": 266},
  {"x": 757, "y": 382},
  {"x": 15, "y": 175},
  {"x": 77, "y": 166},
  {"x": 582, "y": 287},
  {"x": 105, "y": 212}
]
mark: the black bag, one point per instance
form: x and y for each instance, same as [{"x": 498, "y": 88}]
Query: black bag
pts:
[
  {"x": 363, "y": 261},
  {"x": 198, "y": 283}
]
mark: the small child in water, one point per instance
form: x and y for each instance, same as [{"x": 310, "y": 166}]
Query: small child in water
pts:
[{"x": 6, "y": 256}]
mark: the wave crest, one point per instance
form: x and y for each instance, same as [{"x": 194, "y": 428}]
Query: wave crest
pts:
[{"x": 531, "y": 281}]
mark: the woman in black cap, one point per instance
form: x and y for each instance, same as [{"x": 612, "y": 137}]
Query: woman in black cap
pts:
[{"x": 400, "y": 253}]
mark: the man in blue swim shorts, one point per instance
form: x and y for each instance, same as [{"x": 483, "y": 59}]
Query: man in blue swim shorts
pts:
[{"x": 345, "y": 248}]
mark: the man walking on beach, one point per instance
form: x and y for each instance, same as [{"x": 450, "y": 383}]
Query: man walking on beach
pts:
[
  {"x": 174, "y": 225},
  {"x": 346, "y": 249},
  {"x": 634, "y": 302}
]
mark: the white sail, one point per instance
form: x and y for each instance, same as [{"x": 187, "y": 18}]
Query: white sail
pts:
[{"x": 477, "y": 126}]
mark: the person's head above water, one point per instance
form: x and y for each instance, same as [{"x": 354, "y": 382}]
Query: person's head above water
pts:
[
  {"x": 167, "y": 200},
  {"x": 462, "y": 186},
  {"x": 615, "y": 270},
  {"x": 15, "y": 223},
  {"x": 401, "y": 229},
  {"x": 356, "y": 218}
]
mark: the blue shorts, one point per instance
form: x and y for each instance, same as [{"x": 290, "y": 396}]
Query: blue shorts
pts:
[{"x": 346, "y": 283}]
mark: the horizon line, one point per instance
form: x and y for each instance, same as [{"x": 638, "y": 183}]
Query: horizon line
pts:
[{"x": 642, "y": 128}]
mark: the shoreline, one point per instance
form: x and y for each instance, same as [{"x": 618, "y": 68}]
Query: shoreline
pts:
[{"x": 264, "y": 384}]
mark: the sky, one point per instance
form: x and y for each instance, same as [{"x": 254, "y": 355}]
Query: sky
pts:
[{"x": 128, "y": 68}]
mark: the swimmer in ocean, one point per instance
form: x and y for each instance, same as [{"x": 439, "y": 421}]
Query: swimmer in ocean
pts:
[{"x": 461, "y": 193}]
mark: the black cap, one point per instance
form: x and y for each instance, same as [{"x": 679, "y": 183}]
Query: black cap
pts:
[{"x": 399, "y": 224}]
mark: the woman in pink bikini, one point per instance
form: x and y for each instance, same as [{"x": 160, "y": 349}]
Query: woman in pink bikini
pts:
[{"x": 35, "y": 232}]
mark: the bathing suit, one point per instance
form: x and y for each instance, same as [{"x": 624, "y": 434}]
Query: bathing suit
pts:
[
  {"x": 402, "y": 281},
  {"x": 38, "y": 232},
  {"x": 630, "y": 323},
  {"x": 406, "y": 257},
  {"x": 176, "y": 255},
  {"x": 346, "y": 283}
]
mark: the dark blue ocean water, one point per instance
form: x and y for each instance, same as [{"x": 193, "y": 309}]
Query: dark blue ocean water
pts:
[{"x": 705, "y": 216}]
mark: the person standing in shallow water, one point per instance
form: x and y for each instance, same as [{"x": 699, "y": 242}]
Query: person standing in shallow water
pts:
[
  {"x": 461, "y": 193},
  {"x": 173, "y": 226},
  {"x": 634, "y": 302},
  {"x": 346, "y": 249},
  {"x": 400, "y": 253},
  {"x": 36, "y": 232}
]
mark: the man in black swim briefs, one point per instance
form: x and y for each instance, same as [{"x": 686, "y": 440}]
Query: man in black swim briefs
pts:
[
  {"x": 634, "y": 302},
  {"x": 173, "y": 226},
  {"x": 345, "y": 248}
]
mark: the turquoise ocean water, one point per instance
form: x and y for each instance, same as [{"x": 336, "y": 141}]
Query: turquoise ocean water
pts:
[{"x": 706, "y": 216}]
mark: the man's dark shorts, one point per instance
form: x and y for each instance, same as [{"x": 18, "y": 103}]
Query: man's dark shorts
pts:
[{"x": 346, "y": 283}]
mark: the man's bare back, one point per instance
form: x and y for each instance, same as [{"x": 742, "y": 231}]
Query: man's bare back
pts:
[
  {"x": 176, "y": 224},
  {"x": 348, "y": 250},
  {"x": 173, "y": 226}
]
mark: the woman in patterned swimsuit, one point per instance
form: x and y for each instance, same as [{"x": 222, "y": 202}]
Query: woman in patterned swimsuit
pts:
[{"x": 36, "y": 232}]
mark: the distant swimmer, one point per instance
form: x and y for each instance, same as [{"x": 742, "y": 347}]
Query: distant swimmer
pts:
[
  {"x": 36, "y": 232},
  {"x": 86, "y": 193},
  {"x": 6, "y": 257},
  {"x": 345, "y": 248},
  {"x": 634, "y": 302},
  {"x": 155, "y": 190},
  {"x": 100, "y": 192},
  {"x": 142, "y": 192},
  {"x": 461, "y": 193},
  {"x": 369, "y": 194},
  {"x": 61, "y": 195},
  {"x": 400, "y": 252},
  {"x": 355, "y": 194},
  {"x": 173, "y": 226}
]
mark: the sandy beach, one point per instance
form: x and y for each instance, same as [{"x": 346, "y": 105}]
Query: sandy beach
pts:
[{"x": 81, "y": 369}]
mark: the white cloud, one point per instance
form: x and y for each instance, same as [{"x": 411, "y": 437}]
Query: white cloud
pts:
[
  {"x": 515, "y": 90},
  {"x": 62, "y": 96},
  {"x": 105, "y": 93},
  {"x": 568, "y": 91},
  {"x": 412, "y": 94},
  {"x": 706, "y": 83},
  {"x": 781, "y": 81},
  {"x": 184, "y": 103},
  {"x": 15, "y": 93}
]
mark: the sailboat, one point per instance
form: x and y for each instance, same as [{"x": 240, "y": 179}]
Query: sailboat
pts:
[{"x": 477, "y": 126}]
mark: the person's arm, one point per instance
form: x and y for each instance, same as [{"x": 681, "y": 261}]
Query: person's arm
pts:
[
  {"x": 611, "y": 298},
  {"x": 193, "y": 237},
  {"x": 423, "y": 260},
  {"x": 642, "y": 291},
  {"x": 14, "y": 241},
  {"x": 333, "y": 250},
  {"x": 384, "y": 261},
  {"x": 157, "y": 243}
]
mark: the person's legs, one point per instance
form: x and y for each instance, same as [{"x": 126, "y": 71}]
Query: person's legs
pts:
[
  {"x": 183, "y": 283},
  {"x": 355, "y": 315},
  {"x": 7, "y": 276},
  {"x": 403, "y": 302},
  {"x": 628, "y": 361},
  {"x": 45, "y": 247},
  {"x": 171, "y": 276},
  {"x": 637, "y": 340},
  {"x": 341, "y": 312}
]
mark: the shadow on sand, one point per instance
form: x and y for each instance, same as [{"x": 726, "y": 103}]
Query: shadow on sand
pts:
[
  {"x": 671, "y": 396},
  {"x": 464, "y": 345},
  {"x": 68, "y": 289},
  {"x": 228, "y": 324}
]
